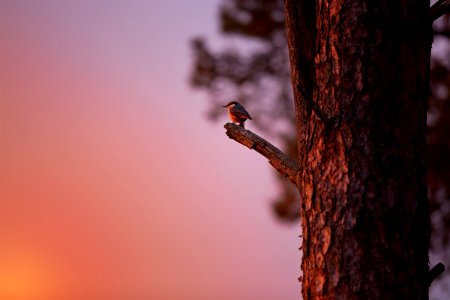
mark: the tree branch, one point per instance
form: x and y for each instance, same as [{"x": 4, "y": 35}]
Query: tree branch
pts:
[
  {"x": 301, "y": 36},
  {"x": 439, "y": 9},
  {"x": 280, "y": 161},
  {"x": 435, "y": 272},
  {"x": 444, "y": 33}
]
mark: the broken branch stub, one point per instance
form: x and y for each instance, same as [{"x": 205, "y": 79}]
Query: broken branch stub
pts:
[{"x": 280, "y": 161}]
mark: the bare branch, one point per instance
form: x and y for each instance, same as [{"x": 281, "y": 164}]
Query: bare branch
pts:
[
  {"x": 439, "y": 9},
  {"x": 435, "y": 272},
  {"x": 280, "y": 161},
  {"x": 443, "y": 33},
  {"x": 301, "y": 33}
]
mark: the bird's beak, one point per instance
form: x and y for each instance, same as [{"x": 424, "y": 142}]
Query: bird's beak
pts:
[{"x": 224, "y": 106}]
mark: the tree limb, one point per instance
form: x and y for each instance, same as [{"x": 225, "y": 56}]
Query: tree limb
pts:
[
  {"x": 444, "y": 33},
  {"x": 439, "y": 9},
  {"x": 280, "y": 161},
  {"x": 435, "y": 272},
  {"x": 301, "y": 36}
]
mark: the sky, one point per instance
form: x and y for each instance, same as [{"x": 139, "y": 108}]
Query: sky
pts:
[{"x": 113, "y": 184}]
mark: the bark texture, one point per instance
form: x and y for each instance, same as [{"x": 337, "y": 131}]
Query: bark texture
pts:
[{"x": 362, "y": 138}]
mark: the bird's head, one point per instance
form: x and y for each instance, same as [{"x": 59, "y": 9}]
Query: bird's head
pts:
[{"x": 231, "y": 104}]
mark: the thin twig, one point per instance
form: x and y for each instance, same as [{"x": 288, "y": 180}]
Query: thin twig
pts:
[
  {"x": 439, "y": 9},
  {"x": 435, "y": 272},
  {"x": 280, "y": 161},
  {"x": 444, "y": 33}
]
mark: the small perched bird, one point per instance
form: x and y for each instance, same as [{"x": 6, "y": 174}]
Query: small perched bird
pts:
[{"x": 237, "y": 113}]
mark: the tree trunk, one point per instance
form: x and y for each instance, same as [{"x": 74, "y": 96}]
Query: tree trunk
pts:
[{"x": 362, "y": 134}]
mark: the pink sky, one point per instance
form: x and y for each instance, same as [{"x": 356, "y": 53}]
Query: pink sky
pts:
[{"x": 113, "y": 185}]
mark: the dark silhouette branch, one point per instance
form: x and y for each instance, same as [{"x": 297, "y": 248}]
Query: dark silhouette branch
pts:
[
  {"x": 439, "y": 9},
  {"x": 301, "y": 37},
  {"x": 435, "y": 272},
  {"x": 280, "y": 161},
  {"x": 444, "y": 33},
  {"x": 301, "y": 33}
]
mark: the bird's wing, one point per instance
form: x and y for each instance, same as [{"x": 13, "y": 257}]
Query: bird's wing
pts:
[{"x": 241, "y": 112}]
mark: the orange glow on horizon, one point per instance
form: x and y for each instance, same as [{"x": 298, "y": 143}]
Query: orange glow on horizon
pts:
[
  {"x": 27, "y": 274},
  {"x": 113, "y": 185}
]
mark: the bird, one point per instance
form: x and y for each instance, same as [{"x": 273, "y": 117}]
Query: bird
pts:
[{"x": 237, "y": 113}]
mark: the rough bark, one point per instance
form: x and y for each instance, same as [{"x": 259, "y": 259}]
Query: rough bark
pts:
[
  {"x": 361, "y": 135},
  {"x": 360, "y": 73}
]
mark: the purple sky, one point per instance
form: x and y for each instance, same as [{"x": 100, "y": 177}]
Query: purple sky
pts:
[{"x": 113, "y": 183}]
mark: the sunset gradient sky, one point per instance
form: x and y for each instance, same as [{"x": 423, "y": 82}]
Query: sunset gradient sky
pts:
[{"x": 113, "y": 185}]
